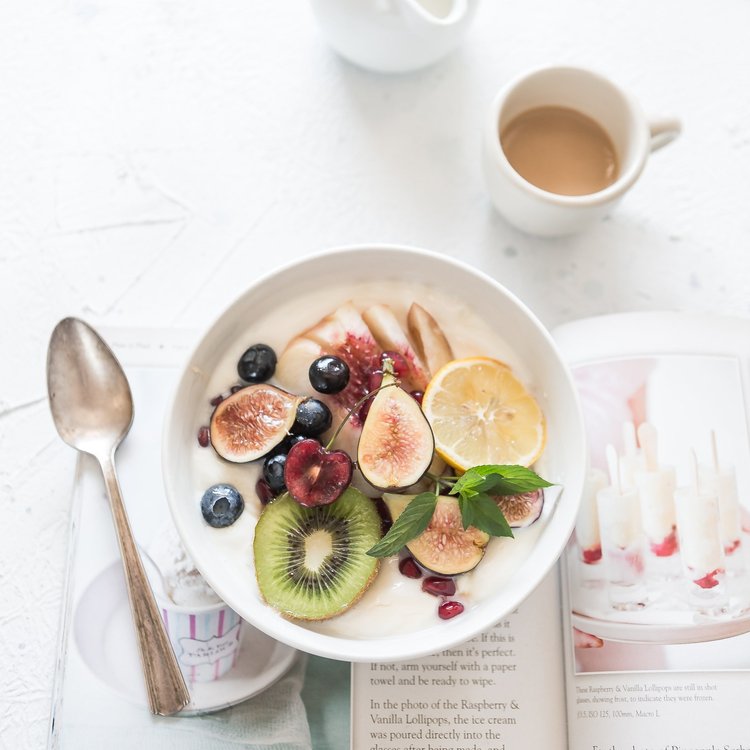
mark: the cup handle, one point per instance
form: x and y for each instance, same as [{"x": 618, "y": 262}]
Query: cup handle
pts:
[{"x": 663, "y": 131}]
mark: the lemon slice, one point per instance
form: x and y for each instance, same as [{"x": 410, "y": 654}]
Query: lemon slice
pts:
[{"x": 481, "y": 413}]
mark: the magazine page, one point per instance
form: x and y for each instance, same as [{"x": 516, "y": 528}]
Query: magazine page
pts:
[
  {"x": 657, "y": 584},
  {"x": 504, "y": 689}
]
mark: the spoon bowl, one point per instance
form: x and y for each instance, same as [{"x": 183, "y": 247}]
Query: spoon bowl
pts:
[
  {"x": 89, "y": 395},
  {"x": 92, "y": 408}
]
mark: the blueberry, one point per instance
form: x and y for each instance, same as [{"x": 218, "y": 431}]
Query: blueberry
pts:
[
  {"x": 273, "y": 472},
  {"x": 257, "y": 364},
  {"x": 329, "y": 374},
  {"x": 221, "y": 505},
  {"x": 313, "y": 418}
]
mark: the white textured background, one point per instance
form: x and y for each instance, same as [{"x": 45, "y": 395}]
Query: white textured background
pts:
[{"x": 156, "y": 156}]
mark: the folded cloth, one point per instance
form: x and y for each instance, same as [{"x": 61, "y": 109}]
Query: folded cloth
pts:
[{"x": 273, "y": 720}]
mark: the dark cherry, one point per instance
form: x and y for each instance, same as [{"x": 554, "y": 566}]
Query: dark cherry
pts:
[
  {"x": 273, "y": 472},
  {"x": 418, "y": 396},
  {"x": 409, "y": 568},
  {"x": 315, "y": 476},
  {"x": 400, "y": 365},
  {"x": 329, "y": 374},
  {"x": 263, "y": 491},
  {"x": 313, "y": 418},
  {"x": 450, "y": 609},
  {"x": 438, "y": 586},
  {"x": 204, "y": 437},
  {"x": 257, "y": 364}
]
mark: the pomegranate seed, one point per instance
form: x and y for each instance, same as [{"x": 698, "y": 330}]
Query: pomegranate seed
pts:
[
  {"x": 216, "y": 400},
  {"x": 204, "y": 437},
  {"x": 418, "y": 396},
  {"x": 450, "y": 609},
  {"x": 236, "y": 388},
  {"x": 374, "y": 379},
  {"x": 400, "y": 365},
  {"x": 409, "y": 568},
  {"x": 263, "y": 491},
  {"x": 439, "y": 586}
]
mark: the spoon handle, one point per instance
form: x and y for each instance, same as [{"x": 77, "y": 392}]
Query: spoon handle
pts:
[{"x": 165, "y": 685}]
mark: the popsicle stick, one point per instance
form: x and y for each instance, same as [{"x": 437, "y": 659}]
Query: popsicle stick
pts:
[
  {"x": 647, "y": 437},
  {"x": 714, "y": 451},
  {"x": 628, "y": 439},
  {"x": 613, "y": 464},
  {"x": 694, "y": 472}
]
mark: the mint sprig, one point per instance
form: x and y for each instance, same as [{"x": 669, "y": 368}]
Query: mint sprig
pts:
[
  {"x": 474, "y": 490},
  {"x": 411, "y": 523}
]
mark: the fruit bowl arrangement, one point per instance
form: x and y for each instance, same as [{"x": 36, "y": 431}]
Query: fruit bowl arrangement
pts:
[{"x": 357, "y": 469}]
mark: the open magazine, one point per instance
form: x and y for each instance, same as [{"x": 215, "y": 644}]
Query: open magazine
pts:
[
  {"x": 643, "y": 639},
  {"x": 639, "y": 639}
]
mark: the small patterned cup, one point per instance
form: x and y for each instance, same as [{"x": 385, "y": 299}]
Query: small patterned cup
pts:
[{"x": 206, "y": 639}]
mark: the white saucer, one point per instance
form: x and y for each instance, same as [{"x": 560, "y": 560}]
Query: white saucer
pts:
[{"x": 103, "y": 633}]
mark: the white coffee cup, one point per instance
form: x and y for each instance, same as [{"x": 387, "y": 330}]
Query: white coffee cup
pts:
[{"x": 548, "y": 214}]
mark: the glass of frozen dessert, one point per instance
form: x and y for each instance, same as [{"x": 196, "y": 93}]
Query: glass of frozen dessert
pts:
[
  {"x": 622, "y": 547},
  {"x": 659, "y": 519},
  {"x": 722, "y": 483},
  {"x": 205, "y": 633},
  {"x": 701, "y": 549},
  {"x": 588, "y": 538}
]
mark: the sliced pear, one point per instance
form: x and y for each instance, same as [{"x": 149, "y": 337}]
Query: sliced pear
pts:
[
  {"x": 396, "y": 445},
  {"x": 390, "y": 335},
  {"x": 444, "y": 547},
  {"x": 429, "y": 340}
]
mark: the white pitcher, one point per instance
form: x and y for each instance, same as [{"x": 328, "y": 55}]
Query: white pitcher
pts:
[{"x": 393, "y": 36}]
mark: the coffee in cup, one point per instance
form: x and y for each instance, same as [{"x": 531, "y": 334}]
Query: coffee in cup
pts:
[
  {"x": 560, "y": 150},
  {"x": 562, "y": 145}
]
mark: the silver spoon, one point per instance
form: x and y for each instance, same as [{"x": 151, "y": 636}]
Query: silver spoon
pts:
[{"x": 92, "y": 409}]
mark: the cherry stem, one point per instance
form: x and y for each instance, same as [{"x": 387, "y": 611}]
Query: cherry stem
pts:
[{"x": 355, "y": 408}]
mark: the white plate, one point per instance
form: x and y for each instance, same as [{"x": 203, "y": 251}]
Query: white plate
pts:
[
  {"x": 662, "y": 633},
  {"x": 224, "y": 565},
  {"x": 103, "y": 633}
]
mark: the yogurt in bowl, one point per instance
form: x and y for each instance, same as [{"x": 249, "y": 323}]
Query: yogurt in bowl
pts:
[{"x": 394, "y": 619}]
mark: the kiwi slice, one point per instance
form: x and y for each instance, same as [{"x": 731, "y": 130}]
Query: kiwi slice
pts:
[{"x": 312, "y": 563}]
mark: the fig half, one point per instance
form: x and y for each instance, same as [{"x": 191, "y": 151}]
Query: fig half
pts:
[
  {"x": 444, "y": 547},
  {"x": 396, "y": 445},
  {"x": 521, "y": 510},
  {"x": 250, "y": 422}
]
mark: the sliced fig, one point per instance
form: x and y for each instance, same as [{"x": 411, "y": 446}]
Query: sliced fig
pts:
[
  {"x": 444, "y": 547},
  {"x": 521, "y": 510},
  {"x": 390, "y": 335},
  {"x": 429, "y": 340},
  {"x": 247, "y": 424},
  {"x": 396, "y": 445}
]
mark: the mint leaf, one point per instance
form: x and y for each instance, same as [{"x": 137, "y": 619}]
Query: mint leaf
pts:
[
  {"x": 466, "y": 506},
  {"x": 488, "y": 517},
  {"x": 410, "y": 524},
  {"x": 498, "y": 480}
]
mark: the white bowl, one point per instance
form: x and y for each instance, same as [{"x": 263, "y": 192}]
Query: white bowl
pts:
[{"x": 563, "y": 462}]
